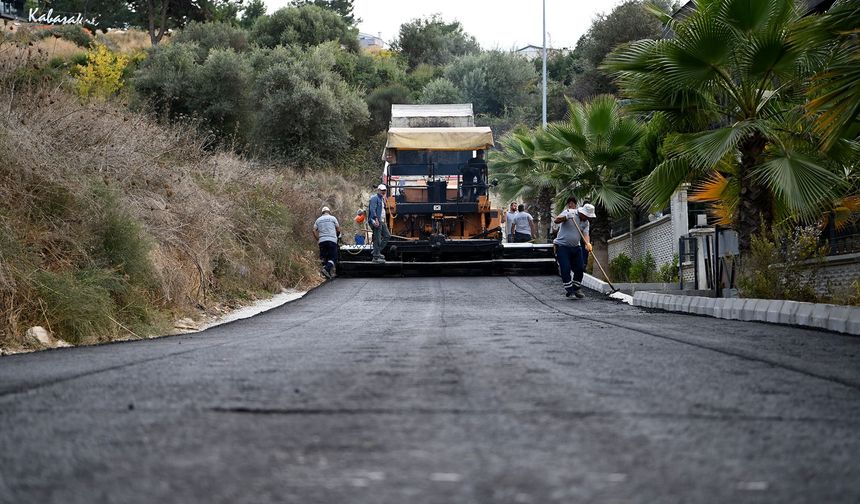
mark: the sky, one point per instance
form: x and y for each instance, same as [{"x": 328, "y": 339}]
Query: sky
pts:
[{"x": 496, "y": 24}]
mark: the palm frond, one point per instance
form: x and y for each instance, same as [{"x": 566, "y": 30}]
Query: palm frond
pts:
[
  {"x": 802, "y": 183},
  {"x": 656, "y": 189}
]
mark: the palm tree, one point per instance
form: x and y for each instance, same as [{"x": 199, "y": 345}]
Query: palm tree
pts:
[
  {"x": 730, "y": 80},
  {"x": 522, "y": 174},
  {"x": 595, "y": 156},
  {"x": 834, "y": 97}
]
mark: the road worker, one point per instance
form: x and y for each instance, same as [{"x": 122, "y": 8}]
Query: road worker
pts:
[
  {"x": 376, "y": 216},
  {"x": 570, "y": 247},
  {"x": 327, "y": 230},
  {"x": 508, "y": 220},
  {"x": 523, "y": 226}
]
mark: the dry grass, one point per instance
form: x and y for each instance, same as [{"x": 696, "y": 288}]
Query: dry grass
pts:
[
  {"x": 128, "y": 41},
  {"x": 211, "y": 228}
]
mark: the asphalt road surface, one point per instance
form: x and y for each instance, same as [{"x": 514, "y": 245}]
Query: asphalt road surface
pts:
[{"x": 440, "y": 390}]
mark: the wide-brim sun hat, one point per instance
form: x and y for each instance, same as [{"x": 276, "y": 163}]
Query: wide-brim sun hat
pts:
[{"x": 588, "y": 210}]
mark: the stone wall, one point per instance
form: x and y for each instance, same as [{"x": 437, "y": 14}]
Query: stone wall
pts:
[
  {"x": 655, "y": 237},
  {"x": 838, "y": 274}
]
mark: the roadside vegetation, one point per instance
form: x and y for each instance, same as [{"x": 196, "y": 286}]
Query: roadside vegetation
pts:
[
  {"x": 748, "y": 102},
  {"x": 115, "y": 224}
]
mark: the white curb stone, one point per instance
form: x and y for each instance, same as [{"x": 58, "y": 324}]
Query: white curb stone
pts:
[
  {"x": 759, "y": 310},
  {"x": 773, "y": 309},
  {"x": 803, "y": 315},
  {"x": 820, "y": 314},
  {"x": 686, "y": 303},
  {"x": 853, "y": 322},
  {"x": 844, "y": 319},
  {"x": 788, "y": 312},
  {"x": 838, "y": 320}
]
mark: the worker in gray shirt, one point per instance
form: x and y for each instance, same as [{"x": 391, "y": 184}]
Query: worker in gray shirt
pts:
[
  {"x": 523, "y": 226},
  {"x": 508, "y": 220},
  {"x": 570, "y": 248},
  {"x": 326, "y": 230}
]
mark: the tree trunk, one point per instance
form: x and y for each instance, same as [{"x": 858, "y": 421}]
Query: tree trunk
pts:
[
  {"x": 545, "y": 208},
  {"x": 156, "y": 32},
  {"x": 599, "y": 236},
  {"x": 755, "y": 207}
]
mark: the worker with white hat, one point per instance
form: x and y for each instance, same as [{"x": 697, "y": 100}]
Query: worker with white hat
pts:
[
  {"x": 572, "y": 245},
  {"x": 376, "y": 218},
  {"x": 327, "y": 230}
]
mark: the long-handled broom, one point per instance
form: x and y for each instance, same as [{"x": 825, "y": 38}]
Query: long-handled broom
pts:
[{"x": 614, "y": 289}]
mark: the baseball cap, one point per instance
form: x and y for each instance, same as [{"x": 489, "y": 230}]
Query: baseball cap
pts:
[
  {"x": 325, "y": 209},
  {"x": 382, "y": 187}
]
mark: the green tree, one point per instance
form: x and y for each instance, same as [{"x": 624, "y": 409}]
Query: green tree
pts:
[
  {"x": 433, "y": 41},
  {"x": 224, "y": 11},
  {"x": 343, "y": 8},
  {"x": 728, "y": 78},
  {"x": 165, "y": 80},
  {"x": 440, "y": 90},
  {"x": 159, "y": 16},
  {"x": 379, "y": 103},
  {"x": 254, "y": 10},
  {"x": 209, "y": 36},
  {"x": 220, "y": 97},
  {"x": 304, "y": 26},
  {"x": 834, "y": 93},
  {"x": 495, "y": 82},
  {"x": 304, "y": 110},
  {"x": 370, "y": 71},
  {"x": 626, "y": 22}
]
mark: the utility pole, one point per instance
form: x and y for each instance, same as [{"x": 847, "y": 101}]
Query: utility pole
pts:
[{"x": 543, "y": 93}]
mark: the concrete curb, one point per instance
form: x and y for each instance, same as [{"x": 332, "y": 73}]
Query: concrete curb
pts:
[
  {"x": 602, "y": 287},
  {"x": 837, "y": 318}
]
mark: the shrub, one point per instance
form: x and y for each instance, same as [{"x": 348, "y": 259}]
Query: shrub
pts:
[
  {"x": 643, "y": 269},
  {"x": 73, "y": 33},
  {"x": 209, "y": 36},
  {"x": 165, "y": 80},
  {"x": 123, "y": 245},
  {"x": 669, "y": 272},
  {"x": 102, "y": 75},
  {"x": 221, "y": 88},
  {"x": 304, "y": 109},
  {"x": 79, "y": 304},
  {"x": 305, "y": 26},
  {"x": 440, "y": 90},
  {"x": 369, "y": 71},
  {"x": 494, "y": 81},
  {"x": 782, "y": 265},
  {"x": 379, "y": 103},
  {"x": 619, "y": 267}
]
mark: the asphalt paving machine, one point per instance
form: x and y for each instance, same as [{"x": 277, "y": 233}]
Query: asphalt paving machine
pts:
[{"x": 439, "y": 211}]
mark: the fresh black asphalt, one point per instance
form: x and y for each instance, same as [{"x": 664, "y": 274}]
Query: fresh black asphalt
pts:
[{"x": 440, "y": 390}]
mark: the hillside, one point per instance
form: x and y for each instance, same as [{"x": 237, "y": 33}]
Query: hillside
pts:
[{"x": 113, "y": 226}]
